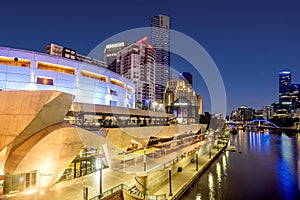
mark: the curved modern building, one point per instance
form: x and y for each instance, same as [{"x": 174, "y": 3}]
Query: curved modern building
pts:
[
  {"x": 39, "y": 149},
  {"x": 28, "y": 70}
]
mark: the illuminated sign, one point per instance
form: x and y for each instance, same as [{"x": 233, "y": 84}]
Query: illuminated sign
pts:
[
  {"x": 181, "y": 104},
  {"x": 119, "y": 44}
]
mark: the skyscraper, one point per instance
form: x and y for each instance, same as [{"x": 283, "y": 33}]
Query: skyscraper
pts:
[
  {"x": 160, "y": 40},
  {"x": 284, "y": 85},
  {"x": 110, "y": 54},
  {"x": 137, "y": 62},
  {"x": 294, "y": 94}
]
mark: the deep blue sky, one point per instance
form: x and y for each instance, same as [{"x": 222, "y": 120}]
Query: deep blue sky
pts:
[{"x": 250, "y": 41}]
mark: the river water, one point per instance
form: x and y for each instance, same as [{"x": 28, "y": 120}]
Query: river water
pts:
[{"x": 265, "y": 166}]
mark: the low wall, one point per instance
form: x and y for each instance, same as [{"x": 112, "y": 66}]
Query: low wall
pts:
[
  {"x": 154, "y": 179},
  {"x": 115, "y": 196}
]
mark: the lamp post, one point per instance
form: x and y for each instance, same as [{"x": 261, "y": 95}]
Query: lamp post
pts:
[
  {"x": 100, "y": 174},
  {"x": 170, "y": 181},
  {"x": 196, "y": 160},
  {"x": 145, "y": 161}
]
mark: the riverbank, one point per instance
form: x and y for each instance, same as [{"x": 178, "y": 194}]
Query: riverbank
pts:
[{"x": 182, "y": 180}]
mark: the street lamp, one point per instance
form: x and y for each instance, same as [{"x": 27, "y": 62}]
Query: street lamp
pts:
[
  {"x": 145, "y": 161},
  {"x": 100, "y": 178},
  {"x": 196, "y": 160},
  {"x": 170, "y": 181}
]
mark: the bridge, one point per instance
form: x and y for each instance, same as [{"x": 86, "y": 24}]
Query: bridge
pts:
[{"x": 262, "y": 124}]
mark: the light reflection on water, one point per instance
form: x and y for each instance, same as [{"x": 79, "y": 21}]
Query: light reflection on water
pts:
[
  {"x": 211, "y": 187},
  {"x": 218, "y": 170},
  {"x": 267, "y": 168}
]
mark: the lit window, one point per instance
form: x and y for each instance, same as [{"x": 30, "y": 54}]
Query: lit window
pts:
[
  {"x": 56, "y": 68},
  {"x": 44, "y": 81},
  {"x": 14, "y": 61},
  {"x": 117, "y": 82},
  {"x": 92, "y": 75}
]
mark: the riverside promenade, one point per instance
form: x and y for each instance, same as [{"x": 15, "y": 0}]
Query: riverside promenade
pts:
[
  {"x": 181, "y": 181},
  {"x": 73, "y": 189}
]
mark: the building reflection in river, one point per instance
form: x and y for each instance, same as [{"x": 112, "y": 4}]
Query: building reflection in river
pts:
[
  {"x": 267, "y": 168},
  {"x": 260, "y": 142},
  {"x": 285, "y": 167}
]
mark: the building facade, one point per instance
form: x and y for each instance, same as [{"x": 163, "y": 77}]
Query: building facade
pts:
[
  {"x": 246, "y": 113},
  {"x": 137, "y": 63},
  {"x": 294, "y": 93},
  {"x": 110, "y": 54},
  {"x": 160, "y": 39},
  {"x": 177, "y": 88},
  {"x": 267, "y": 112},
  {"x": 289, "y": 95},
  {"x": 91, "y": 84},
  {"x": 284, "y": 85}
]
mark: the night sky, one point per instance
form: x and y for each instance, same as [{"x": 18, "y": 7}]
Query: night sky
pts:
[{"x": 250, "y": 41}]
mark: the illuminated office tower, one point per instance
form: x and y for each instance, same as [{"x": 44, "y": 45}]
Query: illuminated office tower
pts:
[
  {"x": 137, "y": 63},
  {"x": 160, "y": 40},
  {"x": 284, "y": 85},
  {"x": 110, "y": 54}
]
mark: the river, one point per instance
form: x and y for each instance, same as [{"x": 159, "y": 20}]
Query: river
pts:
[{"x": 265, "y": 166}]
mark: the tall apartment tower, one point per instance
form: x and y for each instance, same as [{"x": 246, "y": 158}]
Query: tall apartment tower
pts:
[
  {"x": 110, "y": 54},
  {"x": 160, "y": 40},
  {"x": 284, "y": 85},
  {"x": 137, "y": 63}
]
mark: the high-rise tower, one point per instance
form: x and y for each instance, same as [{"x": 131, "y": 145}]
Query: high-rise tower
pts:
[
  {"x": 160, "y": 40},
  {"x": 137, "y": 63},
  {"x": 284, "y": 85},
  {"x": 110, "y": 54}
]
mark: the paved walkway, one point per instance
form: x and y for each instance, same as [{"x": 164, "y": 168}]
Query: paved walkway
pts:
[
  {"x": 73, "y": 189},
  {"x": 181, "y": 179}
]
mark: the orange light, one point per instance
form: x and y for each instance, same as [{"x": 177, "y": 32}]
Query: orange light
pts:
[
  {"x": 14, "y": 61},
  {"x": 92, "y": 75},
  {"x": 117, "y": 82},
  {"x": 56, "y": 68}
]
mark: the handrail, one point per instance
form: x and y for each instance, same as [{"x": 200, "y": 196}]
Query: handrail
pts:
[
  {"x": 130, "y": 190},
  {"x": 140, "y": 183}
]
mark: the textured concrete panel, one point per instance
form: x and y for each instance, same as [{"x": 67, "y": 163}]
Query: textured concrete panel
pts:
[
  {"x": 49, "y": 152},
  {"x": 22, "y": 113}
]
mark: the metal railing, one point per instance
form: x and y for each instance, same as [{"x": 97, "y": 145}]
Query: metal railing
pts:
[{"x": 131, "y": 191}]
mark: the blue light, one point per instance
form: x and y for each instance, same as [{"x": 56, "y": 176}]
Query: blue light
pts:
[{"x": 285, "y": 72}]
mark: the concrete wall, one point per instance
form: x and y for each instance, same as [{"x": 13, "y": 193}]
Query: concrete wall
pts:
[
  {"x": 22, "y": 113},
  {"x": 155, "y": 178},
  {"x": 115, "y": 196}
]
